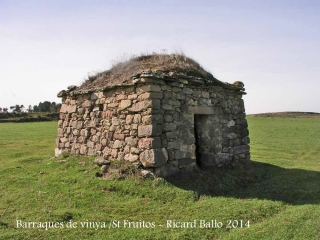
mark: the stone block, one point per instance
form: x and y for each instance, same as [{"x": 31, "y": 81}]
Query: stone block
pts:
[
  {"x": 134, "y": 150},
  {"x": 143, "y": 105},
  {"x": 137, "y": 118},
  {"x": 174, "y": 103},
  {"x": 187, "y": 90},
  {"x": 124, "y": 104},
  {"x": 86, "y": 104},
  {"x": 202, "y": 110},
  {"x": 174, "y": 145},
  {"x": 133, "y": 96},
  {"x": 232, "y": 135},
  {"x": 149, "y": 88},
  {"x": 121, "y": 97},
  {"x": 154, "y": 157},
  {"x": 165, "y": 87},
  {"x": 149, "y": 130},
  {"x": 95, "y": 96},
  {"x": 104, "y": 142},
  {"x": 131, "y": 157},
  {"x": 129, "y": 119},
  {"x": 147, "y": 143},
  {"x": 64, "y": 108},
  {"x": 196, "y": 93},
  {"x": 245, "y": 140},
  {"x": 147, "y": 173},
  {"x": 60, "y": 132},
  {"x": 114, "y": 153},
  {"x": 169, "y": 127},
  {"x": 118, "y": 136},
  {"x": 72, "y": 108},
  {"x": 231, "y": 123},
  {"x": 205, "y": 94},
  {"x": 150, "y": 95},
  {"x": 131, "y": 141},
  {"x": 168, "y": 118},
  {"x": 83, "y": 150},
  {"x": 115, "y": 121},
  {"x": 241, "y": 149},
  {"x": 113, "y": 105},
  {"x": 167, "y": 107},
  {"x": 176, "y": 89},
  {"x": 147, "y": 119},
  {"x": 117, "y": 144},
  {"x": 57, "y": 152}
]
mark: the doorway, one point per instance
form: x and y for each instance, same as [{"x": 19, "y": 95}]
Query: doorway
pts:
[{"x": 205, "y": 130}]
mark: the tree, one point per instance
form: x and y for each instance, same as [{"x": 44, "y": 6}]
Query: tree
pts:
[
  {"x": 17, "y": 108},
  {"x": 30, "y": 109},
  {"x": 35, "y": 108},
  {"x": 5, "y": 110},
  {"x": 47, "y": 106},
  {"x": 0, "y": 109}
]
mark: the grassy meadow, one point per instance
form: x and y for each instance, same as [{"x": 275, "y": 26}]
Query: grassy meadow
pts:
[{"x": 278, "y": 195}]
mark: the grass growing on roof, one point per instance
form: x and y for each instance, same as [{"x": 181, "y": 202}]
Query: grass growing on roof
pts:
[{"x": 122, "y": 72}]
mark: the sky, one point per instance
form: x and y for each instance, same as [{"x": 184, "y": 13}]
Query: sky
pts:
[{"x": 273, "y": 47}]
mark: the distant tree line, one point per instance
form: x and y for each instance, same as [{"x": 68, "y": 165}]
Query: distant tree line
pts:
[{"x": 45, "y": 106}]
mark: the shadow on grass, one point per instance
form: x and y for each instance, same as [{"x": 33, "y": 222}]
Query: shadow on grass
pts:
[{"x": 255, "y": 180}]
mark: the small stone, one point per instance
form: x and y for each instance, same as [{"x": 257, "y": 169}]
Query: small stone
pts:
[
  {"x": 232, "y": 135},
  {"x": 86, "y": 104},
  {"x": 118, "y": 136},
  {"x": 231, "y": 123},
  {"x": 121, "y": 97},
  {"x": 117, "y": 144},
  {"x": 101, "y": 161},
  {"x": 104, "y": 168},
  {"x": 131, "y": 141},
  {"x": 150, "y": 143},
  {"x": 187, "y": 90},
  {"x": 129, "y": 119},
  {"x": 147, "y": 173},
  {"x": 131, "y": 157},
  {"x": 124, "y": 104},
  {"x": 154, "y": 157},
  {"x": 241, "y": 149},
  {"x": 205, "y": 94},
  {"x": 137, "y": 118}
]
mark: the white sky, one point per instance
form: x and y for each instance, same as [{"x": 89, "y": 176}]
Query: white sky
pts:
[{"x": 271, "y": 46}]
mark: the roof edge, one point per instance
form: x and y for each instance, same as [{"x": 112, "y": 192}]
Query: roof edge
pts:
[{"x": 152, "y": 77}]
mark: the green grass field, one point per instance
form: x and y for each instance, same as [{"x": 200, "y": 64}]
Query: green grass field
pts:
[{"x": 279, "y": 195}]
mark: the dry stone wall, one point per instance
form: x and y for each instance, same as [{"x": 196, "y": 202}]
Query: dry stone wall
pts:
[{"x": 163, "y": 125}]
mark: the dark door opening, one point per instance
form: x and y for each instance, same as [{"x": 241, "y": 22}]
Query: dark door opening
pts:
[{"x": 204, "y": 132}]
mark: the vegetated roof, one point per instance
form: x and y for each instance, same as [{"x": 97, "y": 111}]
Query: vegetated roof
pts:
[{"x": 159, "y": 66}]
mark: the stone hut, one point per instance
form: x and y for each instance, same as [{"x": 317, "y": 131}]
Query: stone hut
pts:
[{"x": 161, "y": 112}]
